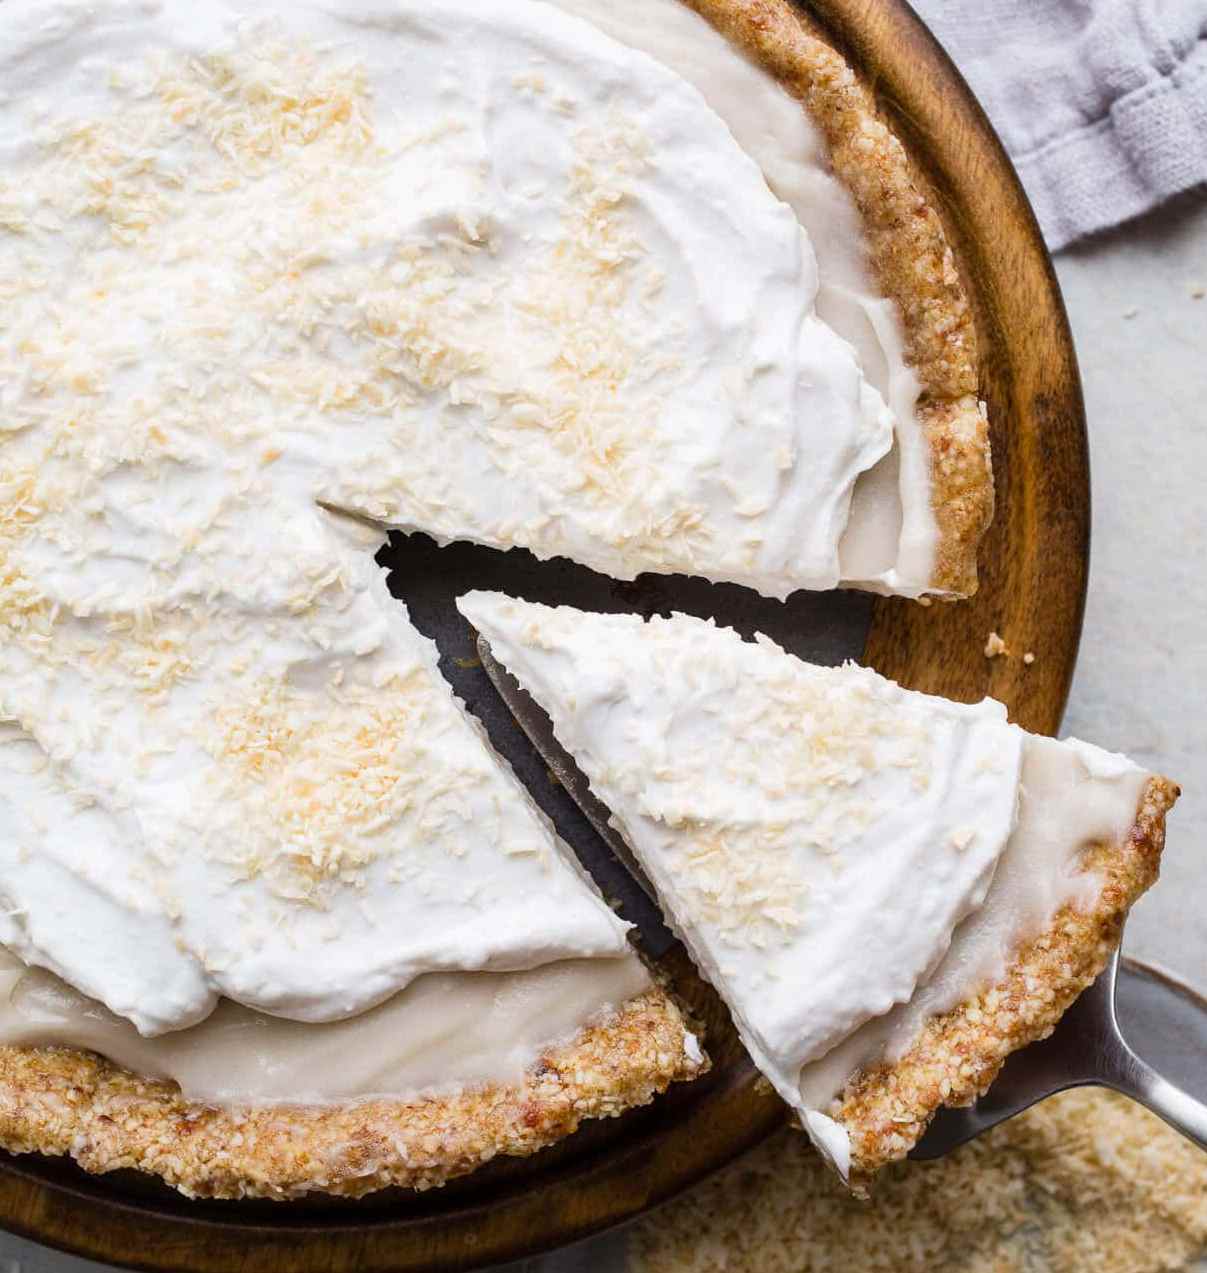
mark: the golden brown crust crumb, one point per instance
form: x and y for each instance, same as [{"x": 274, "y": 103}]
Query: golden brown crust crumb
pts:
[
  {"x": 63, "y": 1101},
  {"x": 886, "y": 1108},
  {"x": 910, "y": 257}
]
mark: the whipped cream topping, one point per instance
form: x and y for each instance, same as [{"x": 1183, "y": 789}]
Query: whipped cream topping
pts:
[
  {"x": 614, "y": 354},
  {"x": 815, "y": 834},
  {"x": 251, "y": 273},
  {"x": 227, "y": 748},
  {"x": 305, "y": 822},
  {"x": 834, "y": 927},
  {"x": 890, "y": 538},
  {"x": 444, "y": 1032}
]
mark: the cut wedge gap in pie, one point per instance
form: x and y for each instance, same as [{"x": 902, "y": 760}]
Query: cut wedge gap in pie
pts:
[{"x": 890, "y": 891}]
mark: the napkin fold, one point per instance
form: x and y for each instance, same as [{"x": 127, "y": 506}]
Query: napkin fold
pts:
[{"x": 1102, "y": 104}]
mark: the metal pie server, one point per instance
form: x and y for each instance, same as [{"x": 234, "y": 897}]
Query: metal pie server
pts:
[{"x": 1087, "y": 1046}]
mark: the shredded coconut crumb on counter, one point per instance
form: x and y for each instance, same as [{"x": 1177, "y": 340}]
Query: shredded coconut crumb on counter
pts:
[{"x": 1086, "y": 1182}]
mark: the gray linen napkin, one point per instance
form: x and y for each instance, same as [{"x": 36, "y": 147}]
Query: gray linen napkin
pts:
[{"x": 1101, "y": 103}]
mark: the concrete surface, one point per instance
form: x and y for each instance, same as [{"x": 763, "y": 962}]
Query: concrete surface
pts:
[{"x": 1141, "y": 683}]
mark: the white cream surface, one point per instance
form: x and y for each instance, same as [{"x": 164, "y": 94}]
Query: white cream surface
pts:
[
  {"x": 252, "y": 270},
  {"x": 305, "y": 837},
  {"x": 889, "y": 542},
  {"x": 834, "y": 900},
  {"x": 815, "y": 834},
  {"x": 703, "y": 332},
  {"x": 445, "y": 1032}
]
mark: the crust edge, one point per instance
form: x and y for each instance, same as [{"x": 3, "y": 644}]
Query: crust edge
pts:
[
  {"x": 886, "y": 1108},
  {"x": 62, "y": 1101}
]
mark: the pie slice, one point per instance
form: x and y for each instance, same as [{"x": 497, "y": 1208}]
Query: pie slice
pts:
[{"x": 890, "y": 891}]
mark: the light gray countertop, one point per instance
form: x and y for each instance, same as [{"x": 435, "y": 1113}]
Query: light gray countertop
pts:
[{"x": 1141, "y": 684}]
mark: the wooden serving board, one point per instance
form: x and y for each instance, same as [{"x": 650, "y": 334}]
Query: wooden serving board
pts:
[{"x": 1033, "y": 571}]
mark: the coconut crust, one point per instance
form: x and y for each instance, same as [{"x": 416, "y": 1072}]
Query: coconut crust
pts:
[
  {"x": 64, "y": 1101},
  {"x": 885, "y": 1108},
  {"x": 911, "y": 259}
]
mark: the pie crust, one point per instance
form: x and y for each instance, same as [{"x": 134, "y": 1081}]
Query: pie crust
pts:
[
  {"x": 886, "y": 1108},
  {"x": 910, "y": 257},
  {"x": 64, "y": 1101}
]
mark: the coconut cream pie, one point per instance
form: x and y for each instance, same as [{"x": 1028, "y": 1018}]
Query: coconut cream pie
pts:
[
  {"x": 889, "y": 890},
  {"x": 274, "y": 278}
]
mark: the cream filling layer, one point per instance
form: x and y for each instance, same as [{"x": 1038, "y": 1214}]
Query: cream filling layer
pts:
[
  {"x": 844, "y": 859},
  {"x": 446, "y": 1032},
  {"x": 481, "y": 271}
]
